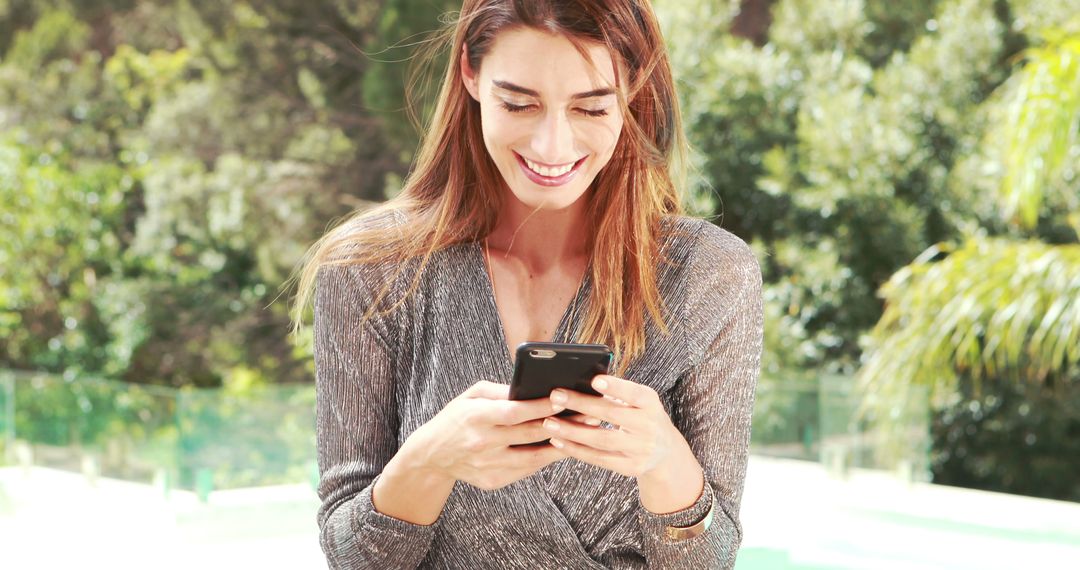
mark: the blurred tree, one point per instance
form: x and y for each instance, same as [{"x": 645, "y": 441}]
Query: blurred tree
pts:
[
  {"x": 165, "y": 164},
  {"x": 64, "y": 200},
  {"x": 993, "y": 329},
  {"x": 832, "y": 147}
]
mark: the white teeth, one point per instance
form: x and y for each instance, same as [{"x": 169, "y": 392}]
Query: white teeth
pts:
[{"x": 549, "y": 172}]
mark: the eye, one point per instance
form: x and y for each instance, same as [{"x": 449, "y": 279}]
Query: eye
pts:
[
  {"x": 515, "y": 108},
  {"x": 592, "y": 113}
]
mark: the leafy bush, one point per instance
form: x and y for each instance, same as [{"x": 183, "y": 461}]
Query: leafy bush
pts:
[{"x": 1011, "y": 437}]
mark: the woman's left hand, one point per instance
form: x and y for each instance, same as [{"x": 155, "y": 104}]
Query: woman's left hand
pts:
[{"x": 642, "y": 440}]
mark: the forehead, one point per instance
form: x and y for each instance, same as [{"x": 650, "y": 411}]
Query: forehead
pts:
[{"x": 548, "y": 63}]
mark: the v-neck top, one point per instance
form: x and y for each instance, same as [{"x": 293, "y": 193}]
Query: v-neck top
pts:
[
  {"x": 379, "y": 380},
  {"x": 564, "y": 329}
]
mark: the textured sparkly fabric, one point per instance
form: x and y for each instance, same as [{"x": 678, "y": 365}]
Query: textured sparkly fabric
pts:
[{"x": 379, "y": 381}]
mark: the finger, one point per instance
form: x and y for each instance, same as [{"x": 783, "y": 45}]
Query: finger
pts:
[
  {"x": 594, "y": 437},
  {"x": 582, "y": 419},
  {"x": 533, "y": 431},
  {"x": 532, "y": 459},
  {"x": 634, "y": 394},
  {"x": 513, "y": 412},
  {"x": 610, "y": 460},
  {"x": 597, "y": 407},
  {"x": 521, "y": 434},
  {"x": 513, "y": 464},
  {"x": 571, "y": 415},
  {"x": 488, "y": 390}
]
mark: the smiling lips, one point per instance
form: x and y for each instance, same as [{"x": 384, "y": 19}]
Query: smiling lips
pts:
[
  {"x": 549, "y": 175},
  {"x": 549, "y": 171}
]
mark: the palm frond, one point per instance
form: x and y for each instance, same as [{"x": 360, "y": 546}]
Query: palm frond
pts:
[
  {"x": 1043, "y": 123},
  {"x": 991, "y": 309}
]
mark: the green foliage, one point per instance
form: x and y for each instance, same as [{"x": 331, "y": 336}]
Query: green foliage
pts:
[
  {"x": 894, "y": 26},
  {"x": 993, "y": 309},
  {"x": 56, "y": 35},
  {"x": 53, "y": 253},
  {"x": 402, "y": 70},
  {"x": 1012, "y": 438},
  {"x": 838, "y": 141},
  {"x": 143, "y": 79},
  {"x": 993, "y": 330},
  {"x": 1034, "y": 17},
  {"x": 1044, "y": 125},
  {"x": 807, "y": 27},
  {"x": 164, "y": 165}
]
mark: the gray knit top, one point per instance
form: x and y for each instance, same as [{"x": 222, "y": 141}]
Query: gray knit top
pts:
[{"x": 379, "y": 381}]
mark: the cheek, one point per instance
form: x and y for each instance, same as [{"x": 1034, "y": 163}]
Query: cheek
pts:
[
  {"x": 499, "y": 131},
  {"x": 488, "y": 125},
  {"x": 601, "y": 137}
]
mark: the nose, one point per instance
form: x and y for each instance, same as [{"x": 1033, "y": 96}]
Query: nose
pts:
[{"x": 553, "y": 141}]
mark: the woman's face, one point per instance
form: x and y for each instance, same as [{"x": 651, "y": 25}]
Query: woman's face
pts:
[{"x": 550, "y": 119}]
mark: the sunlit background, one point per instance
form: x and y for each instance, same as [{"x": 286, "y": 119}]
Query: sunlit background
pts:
[{"x": 907, "y": 173}]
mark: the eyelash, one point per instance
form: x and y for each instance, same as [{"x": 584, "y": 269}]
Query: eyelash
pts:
[{"x": 523, "y": 108}]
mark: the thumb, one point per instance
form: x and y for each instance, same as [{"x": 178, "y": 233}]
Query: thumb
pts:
[{"x": 488, "y": 390}]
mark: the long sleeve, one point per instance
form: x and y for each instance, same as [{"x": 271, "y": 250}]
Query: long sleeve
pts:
[
  {"x": 357, "y": 426},
  {"x": 714, "y": 399}
]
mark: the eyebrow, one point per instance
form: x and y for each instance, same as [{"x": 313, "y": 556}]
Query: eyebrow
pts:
[{"x": 533, "y": 93}]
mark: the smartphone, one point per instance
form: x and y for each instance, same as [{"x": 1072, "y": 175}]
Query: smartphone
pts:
[{"x": 540, "y": 367}]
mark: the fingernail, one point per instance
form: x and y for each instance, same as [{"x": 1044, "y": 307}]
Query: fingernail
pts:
[
  {"x": 593, "y": 422},
  {"x": 551, "y": 424},
  {"x": 557, "y": 408},
  {"x": 600, "y": 384},
  {"x": 558, "y": 444},
  {"x": 558, "y": 397}
]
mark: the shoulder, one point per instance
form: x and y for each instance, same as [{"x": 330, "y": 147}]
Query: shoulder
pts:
[
  {"x": 718, "y": 280},
  {"x": 362, "y": 263},
  {"x": 711, "y": 253},
  {"x": 360, "y": 233},
  {"x": 364, "y": 245}
]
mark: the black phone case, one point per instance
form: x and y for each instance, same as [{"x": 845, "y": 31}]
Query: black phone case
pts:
[{"x": 573, "y": 366}]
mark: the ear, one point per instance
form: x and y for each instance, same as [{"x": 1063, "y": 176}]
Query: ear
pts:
[{"x": 468, "y": 75}]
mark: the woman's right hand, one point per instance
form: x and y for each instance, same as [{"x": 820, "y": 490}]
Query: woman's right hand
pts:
[{"x": 470, "y": 439}]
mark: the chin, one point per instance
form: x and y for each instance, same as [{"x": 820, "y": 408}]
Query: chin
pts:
[{"x": 547, "y": 198}]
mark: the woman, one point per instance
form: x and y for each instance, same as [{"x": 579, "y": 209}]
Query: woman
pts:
[{"x": 541, "y": 207}]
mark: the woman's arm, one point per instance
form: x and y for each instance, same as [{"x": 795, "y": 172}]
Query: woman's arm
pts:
[
  {"x": 409, "y": 491},
  {"x": 357, "y": 430},
  {"x": 674, "y": 486},
  {"x": 713, "y": 402}
]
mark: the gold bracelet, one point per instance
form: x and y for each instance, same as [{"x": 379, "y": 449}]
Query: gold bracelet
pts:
[{"x": 675, "y": 533}]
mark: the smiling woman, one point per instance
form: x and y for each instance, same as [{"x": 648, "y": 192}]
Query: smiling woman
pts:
[{"x": 541, "y": 208}]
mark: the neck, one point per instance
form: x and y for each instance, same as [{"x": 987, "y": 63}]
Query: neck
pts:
[{"x": 540, "y": 239}]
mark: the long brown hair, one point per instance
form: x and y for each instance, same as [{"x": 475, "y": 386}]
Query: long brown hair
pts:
[{"x": 454, "y": 192}]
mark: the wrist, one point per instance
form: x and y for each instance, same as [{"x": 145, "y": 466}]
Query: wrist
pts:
[
  {"x": 673, "y": 468},
  {"x": 409, "y": 490},
  {"x": 415, "y": 458},
  {"x": 672, "y": 486}
]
